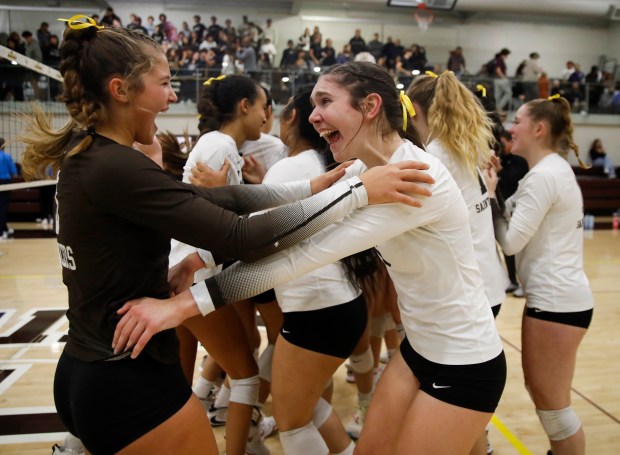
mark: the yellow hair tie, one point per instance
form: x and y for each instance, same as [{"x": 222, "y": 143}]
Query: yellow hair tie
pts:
[
  {"x": 430, "y": 73},
  {"x": 407, "y": 108},
  {"x": 212, "y": 79},
  {"x": 554, "y": 97},
  {"x": 75, "y": 23},
  {"x": 482, "y": 88}
]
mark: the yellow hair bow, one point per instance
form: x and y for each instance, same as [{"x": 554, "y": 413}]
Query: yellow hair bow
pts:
[
  {"x": 213, "y": 79},
  {"x": 407, "y": 108},
  {"x": 554, "y": 97},
  {"x": 75, "y": 23},
  {"x": 483, "y": 89},
  {"x": 430, "y": 73}
]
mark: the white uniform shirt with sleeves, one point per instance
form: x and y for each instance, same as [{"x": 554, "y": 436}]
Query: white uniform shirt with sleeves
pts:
[
  {"x": 326, "y": 286},
  {"x": 267, "y": 150},
  {"x": 430, "y": 256},
  {"x": 212, "y": 149},
  {"x": 546, "y": 234},
  {"x": 477, "y": 199}
]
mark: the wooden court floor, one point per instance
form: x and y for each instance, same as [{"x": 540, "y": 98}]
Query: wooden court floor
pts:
[{"x": 33, "y": 326}]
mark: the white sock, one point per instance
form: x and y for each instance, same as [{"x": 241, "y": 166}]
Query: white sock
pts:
[
  {"x": 203, "y": 387},
  {"x": 222, "y": 398}
]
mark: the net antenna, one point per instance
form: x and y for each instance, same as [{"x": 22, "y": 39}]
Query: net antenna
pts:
[{"x": 423, "y": 16}]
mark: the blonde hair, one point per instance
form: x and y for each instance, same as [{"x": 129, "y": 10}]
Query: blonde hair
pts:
[
  {"x": 455, "y": 118},
  {"x": 89, "y": 58}
]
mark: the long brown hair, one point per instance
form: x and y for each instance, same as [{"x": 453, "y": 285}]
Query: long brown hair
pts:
[{"x": 89, "y": 58}]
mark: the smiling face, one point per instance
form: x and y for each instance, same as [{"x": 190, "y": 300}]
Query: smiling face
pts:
[
  {"x": 255, "y": 116},
  {"x": 155, "y": 96},
  {"x": 339, "y": 123},
  {"x": 522, "y": 131}
]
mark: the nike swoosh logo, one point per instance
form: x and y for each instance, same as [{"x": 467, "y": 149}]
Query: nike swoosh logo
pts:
[
  {"x": 536, "y": 310},
  {"x": 285, "y": 331},
  {"x": 435, "y": 386}
]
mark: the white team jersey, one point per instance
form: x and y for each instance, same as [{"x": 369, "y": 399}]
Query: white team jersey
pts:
[
  {"x": 546, "y": 234},
  {"x": 267, "y": 150},
  {"x": 212, "y": 149},
  {"x": 481, "y": 223},
  {"x": 326, "y": 286},
  {"x": 430, "y": 257}
]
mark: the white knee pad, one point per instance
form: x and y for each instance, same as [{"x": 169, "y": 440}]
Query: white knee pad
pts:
[
  {"x": 303, "y": 441},
  {"x": 264, "y": 363},
  {"x": 388, "y": 322},
  {"x": 377, "y": 326},
  {"x": 559, "y": 424},
  {"x": 321, "y": 412},
  {"x": 244, "y": 391},
  {"x": 362, "y": 363}
]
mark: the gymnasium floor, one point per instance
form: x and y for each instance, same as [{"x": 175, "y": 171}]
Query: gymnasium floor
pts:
[{"x": 32, "y": 327}]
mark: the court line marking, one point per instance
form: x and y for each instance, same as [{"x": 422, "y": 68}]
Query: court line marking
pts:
[{"x": 503, "y": 429}]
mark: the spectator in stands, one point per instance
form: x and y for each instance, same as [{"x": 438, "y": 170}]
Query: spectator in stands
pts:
[
  {"x": 12, "y": 81},
  {"x": 269, "y": 32},
  {"x": 247, "y": 55},
  {"x": 303, "y": 42},
  {"x": 208, "y": 43},
  {"x": 316, "y": 33},
  {"x": 594, "y": 87},
  {"x": 8, "y": 170},
  {"x": 136, "y": 24},
  {"x": 185, "y": 28},
  {"x": 33, "y": 51},
  {"x": 570, "y": 69},
  {"x": 150, "y": 25},
  {"x": 375, "y": 46},
  {"x": 268, "y": 52},
  {"x": 200, "y": 28},
  {"x": 345, "y": 55},
  {"x": 392, "y": 50},
  {"x": 230, "y": 30},
  {"x": 577, "y": 75},
  {"x": 501, "y": 84},
  {"x": 599, "y": 157},
  {"x": 51, "y": 57},
  {"x": 456, "y": 62},
  {"x": 43, "y": 35},
  {"x": 543, "y": 85},
  {"x": 575, "y": 96},
  {"x": 357, "y": 42},
  {"x": 214, "y": 28},
  {"x": 328, "y": 53},
  {"x": 167, "y": 28},
  {"x": 530, "y": 73},
  {"x": 418, "y": 58},
  {"x": 109, "y": 17},
  {"x": 289, "y": 55},
  {"x": 315, "y": 50}
]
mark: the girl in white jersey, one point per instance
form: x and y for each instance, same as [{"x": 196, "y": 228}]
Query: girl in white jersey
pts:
[
  {"x": 457, "y": 130},
  {"x": 439, "y": 392},
  {"x": 231, "y": 111},
  {"x": 545, "y": 232}
]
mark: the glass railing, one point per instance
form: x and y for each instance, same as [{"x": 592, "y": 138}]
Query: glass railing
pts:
[{"x": 21, "y": 84}]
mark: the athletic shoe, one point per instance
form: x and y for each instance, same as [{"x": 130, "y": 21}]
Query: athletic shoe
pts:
[
  {"x": 518, "y": 292},
  {"x": 267, "y": 426},
  {"x": 355, "y": 425},
  {"x": 350, "y": 376},
  {"x": 217, "y": 416},
  {"x": 513, "y": 287},
  {"x": 207, "y": 403},
  {"x": 61, "y": 450},
  {"x": 255, "y": 444}
]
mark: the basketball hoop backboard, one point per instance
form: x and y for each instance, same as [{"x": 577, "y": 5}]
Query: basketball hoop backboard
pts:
[
  {"x": 423, "y": 16},
  {"x": 437, "y": 5}
]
